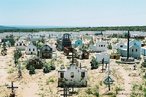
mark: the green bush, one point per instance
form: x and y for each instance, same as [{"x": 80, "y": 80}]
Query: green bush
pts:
[
  {"x": 46, "y": 69},
  {"x": 109, "y": 46},
  {"x": 94, "y": 63},
  {"x": 11, "y": 70},
  {"x": 31, "y": 70},
  {"x": 144, "y": 90},
  {"x": 50, "y": 80},
  {"x": 140, "y": 87}
]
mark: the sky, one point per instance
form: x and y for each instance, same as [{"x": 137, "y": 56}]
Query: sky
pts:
[{"x": 82, "y": 13}]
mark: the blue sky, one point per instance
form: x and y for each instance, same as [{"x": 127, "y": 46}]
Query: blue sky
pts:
[{"x": 73, "y": 12}]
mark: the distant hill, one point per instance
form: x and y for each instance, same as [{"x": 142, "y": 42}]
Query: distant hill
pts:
[
  {"x": 68, "y": 29},
  {"x": 6, "y": 27}
]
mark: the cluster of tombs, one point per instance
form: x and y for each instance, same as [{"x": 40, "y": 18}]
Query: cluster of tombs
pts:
[{"x": 78, "y": 47}]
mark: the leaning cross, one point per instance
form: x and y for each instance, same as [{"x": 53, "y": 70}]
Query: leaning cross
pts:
[{"x": 12, "y": 87}]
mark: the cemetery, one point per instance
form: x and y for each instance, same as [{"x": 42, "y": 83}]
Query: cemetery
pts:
[{"x": 67, "y": 64}]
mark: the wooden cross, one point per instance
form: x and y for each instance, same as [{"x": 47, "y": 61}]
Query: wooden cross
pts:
[
  {"x": 73, "y": 55},
  {"x": 108, "y": 78},
  {"x": 12, "y": 87},
  {"x": 102, "y": 64},
  {"x": 128, "y": 36}
]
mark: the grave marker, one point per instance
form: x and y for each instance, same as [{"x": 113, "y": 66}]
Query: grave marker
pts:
[
  {"x": 12, "y": 87},
  {"x": 108, "y": 81}
]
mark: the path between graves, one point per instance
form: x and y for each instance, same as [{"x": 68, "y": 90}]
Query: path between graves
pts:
[
  {"x": 127, "y": 86},
  {"x": 31, "y": 90},
  {"x": 3, "y": 70}
]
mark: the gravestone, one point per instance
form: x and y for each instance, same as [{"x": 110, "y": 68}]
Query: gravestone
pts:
[{"x": 108, "y": 80}]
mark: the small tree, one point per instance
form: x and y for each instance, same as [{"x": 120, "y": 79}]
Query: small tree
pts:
[
  {"x": 110, "y": 46},
  {"x": 15, "y": 61},
  {"x": 31, "y": 70},
  {"x": 52, "y": 65},
  {"x": 4, "y": 46},
  {"x": 144, "y": 64},
  {"x": 4, "y": 49},
  {"x": 46, "y": 69},
  {"x": 17, "y": 55},
  {"x": 94, "y": 63}
]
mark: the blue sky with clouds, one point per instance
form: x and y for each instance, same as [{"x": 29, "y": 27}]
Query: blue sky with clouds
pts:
[{"x": 73, "y": 12}]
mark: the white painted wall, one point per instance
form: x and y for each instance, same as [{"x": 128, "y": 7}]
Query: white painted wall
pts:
[
  {"x": 77, "y": 75},
  {"x": 119, "y": 45},
  {"x": 99, "y": 46},
  {"x": 100, "y": 56},
  {"x": 31, "y": 49},
  {"x": 20, "y": 44}
]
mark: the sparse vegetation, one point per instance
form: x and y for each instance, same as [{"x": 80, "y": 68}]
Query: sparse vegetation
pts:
[
  {"x": 93, "y": 91},
  {"x": 117, "y": 89},
  {"x": 46, "y": 69},
  {"x": 31, "y": 70},
  {"x": 111, "y": 94},
  {"x": 11, "y": 70},
  {"x": 110, "y": 46},
  {"x": 50, "y": 80}
]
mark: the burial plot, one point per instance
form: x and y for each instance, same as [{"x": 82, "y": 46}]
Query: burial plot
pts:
[
  {"x": 31, "y": 49},
  {"x": 12, "y": 87},
  {"x": 20, "y": 44},
  {"x": 72, "y": 77},
  {"x": 63, "y": 42},
  {"x": 85, "y": 54},
  {"x": 81, "y": 53},
  {"x": 100, "y": 46},
  {"x": 108, "y": 80},
  {"x": 17, "y": 55},
  {"x": 48, "y": 67},
  {"x": 115, "y": 56},
  {"x": 132, "y": 52},
  {"x": 144, "y": 62},
  {"x": 46, "y": 52},
  {"x": 36, "y": 62},
  {"x": 94, "y": 63},
  {"x": 77, "y": 43}
]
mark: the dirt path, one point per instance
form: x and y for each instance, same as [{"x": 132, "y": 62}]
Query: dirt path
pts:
[
  {"x": 3, "y": 70},
  {"x": 31, "y": 90},
  {"x": 5, "y": 61},
  {"x": 127, "y": 82},
  {"x": 127, "y": 86}
]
